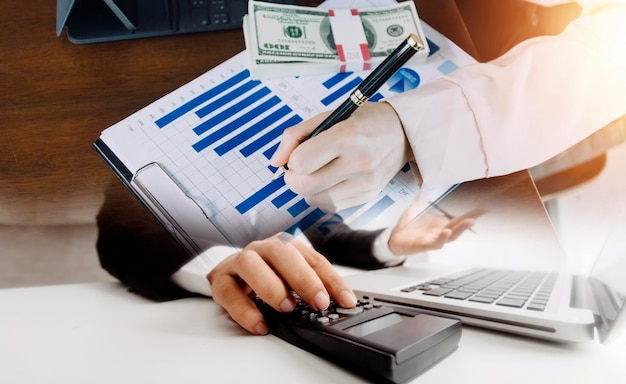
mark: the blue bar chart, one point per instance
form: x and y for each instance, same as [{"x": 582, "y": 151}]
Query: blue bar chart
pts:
[
  {"x": 244, "y": 118},
  {"x": 215, "y": 135},
  {"x": 240, "y": 118}
]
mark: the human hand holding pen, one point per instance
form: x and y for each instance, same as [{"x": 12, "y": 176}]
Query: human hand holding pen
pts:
[
  {"x": 367, "y": 88},
  {"x": 357, "y": 98},
  {"x": 348, "y": 164}
]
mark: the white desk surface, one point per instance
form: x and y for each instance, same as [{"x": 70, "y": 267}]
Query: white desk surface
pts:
[{"x": 100, "y": 333}]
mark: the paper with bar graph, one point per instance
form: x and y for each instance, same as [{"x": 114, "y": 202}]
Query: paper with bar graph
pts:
[{"x": 212, "y": 139}]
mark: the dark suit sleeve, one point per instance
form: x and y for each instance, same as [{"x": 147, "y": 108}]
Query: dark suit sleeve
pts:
[
  {"x": 134, "y": 248},
  {"x": 345, "y": 246}
]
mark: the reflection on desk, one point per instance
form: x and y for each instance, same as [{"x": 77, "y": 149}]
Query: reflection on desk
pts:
[{"x": 100, "y": 333}]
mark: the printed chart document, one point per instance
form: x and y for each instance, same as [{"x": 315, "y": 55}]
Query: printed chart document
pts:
[{"x": 198, "y": 157}]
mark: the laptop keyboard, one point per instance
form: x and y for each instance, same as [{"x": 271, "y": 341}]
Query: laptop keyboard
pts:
[{"x": 519, "y": 289}]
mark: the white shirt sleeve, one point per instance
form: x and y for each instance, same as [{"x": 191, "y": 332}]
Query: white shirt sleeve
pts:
[
  {"x": 193, "y": 275},
  {"x": 383, "y": 253},
  {"x": 517, "y": 111}
]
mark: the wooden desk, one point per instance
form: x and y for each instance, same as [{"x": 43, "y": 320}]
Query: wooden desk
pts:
[{"x": 58, "y": 96}]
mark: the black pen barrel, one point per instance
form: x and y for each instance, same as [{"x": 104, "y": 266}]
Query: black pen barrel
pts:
[
  {"x": 341, "y": 113},
  {"x": 390, "y": 65},
  {"x": 372, "y": 83}
]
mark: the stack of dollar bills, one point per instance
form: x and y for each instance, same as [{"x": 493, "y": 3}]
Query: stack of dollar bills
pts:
[{"x": 288, "y": 40}]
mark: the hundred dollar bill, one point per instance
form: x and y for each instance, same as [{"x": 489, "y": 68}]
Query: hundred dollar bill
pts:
[
  {"x": 263, "y": 69},
  {"x": 282, "y": 33}
]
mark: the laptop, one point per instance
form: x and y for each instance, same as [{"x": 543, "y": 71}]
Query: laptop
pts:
[{"x": 507, "y": 274}]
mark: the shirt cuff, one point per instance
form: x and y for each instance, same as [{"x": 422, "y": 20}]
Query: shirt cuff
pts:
[
  {"x": 382, "y": 253},
  {"x": 441, "y": 129},
  {"x": 193, "y": 275}
]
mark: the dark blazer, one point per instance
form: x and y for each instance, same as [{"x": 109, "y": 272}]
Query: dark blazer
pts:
[{"x": 134, "y": 248}]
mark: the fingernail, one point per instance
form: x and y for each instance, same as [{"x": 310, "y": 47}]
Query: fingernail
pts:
[
  {"x": 347, "y": 297},
  {"x": 321, "y": 301},
  {"x": 261, "y": 328},
  {"x": 287, "y": 305}
]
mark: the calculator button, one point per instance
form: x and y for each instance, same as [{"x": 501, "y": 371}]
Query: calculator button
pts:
[
  {"x": 349, "y": 311},
  {"x": 199, "y": 17}
]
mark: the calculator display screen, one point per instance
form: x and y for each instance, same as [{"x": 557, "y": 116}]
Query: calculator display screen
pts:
[{"x": 377, "y": 324}]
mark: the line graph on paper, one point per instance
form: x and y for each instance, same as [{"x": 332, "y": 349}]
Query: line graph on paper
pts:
[{"x": 215, "y": 135}]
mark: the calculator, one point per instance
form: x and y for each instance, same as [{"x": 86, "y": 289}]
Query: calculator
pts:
[
  {"x": 378, "y": 342},
  {"x": 95, "y": 21}
]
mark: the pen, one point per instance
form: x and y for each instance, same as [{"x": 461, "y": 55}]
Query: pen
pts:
[
  {"x": 447, "y": 214},
  {"x": 372, "y": 83}
]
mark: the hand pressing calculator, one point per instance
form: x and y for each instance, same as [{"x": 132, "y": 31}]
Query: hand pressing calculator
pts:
[{"x": 380, "y": 343}]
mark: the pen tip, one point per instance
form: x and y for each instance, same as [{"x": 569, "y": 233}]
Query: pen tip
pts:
[{"x": 279, "y": 172}]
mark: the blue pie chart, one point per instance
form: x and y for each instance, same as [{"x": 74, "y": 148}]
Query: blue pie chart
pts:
[{"x": 403, "y": 80}]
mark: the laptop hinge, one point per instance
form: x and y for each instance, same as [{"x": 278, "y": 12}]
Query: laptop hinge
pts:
[{"x": 582, "y": 294}]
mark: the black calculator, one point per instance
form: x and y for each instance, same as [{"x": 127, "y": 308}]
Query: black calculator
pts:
[
  {"x": 95, "y": 21},
  {"x": 380, "y": 343}
]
